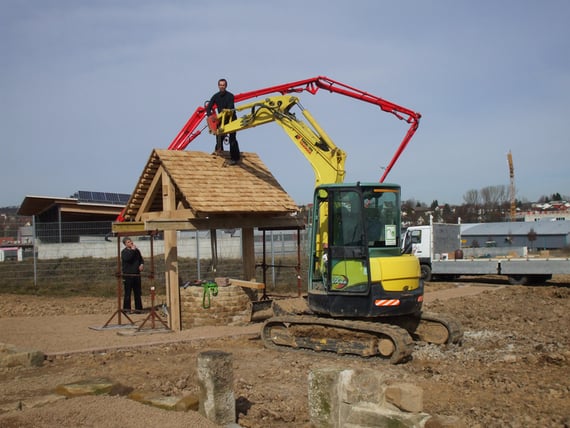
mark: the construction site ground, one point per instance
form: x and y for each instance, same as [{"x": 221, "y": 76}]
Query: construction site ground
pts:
[{"x": 511, "y": 370}]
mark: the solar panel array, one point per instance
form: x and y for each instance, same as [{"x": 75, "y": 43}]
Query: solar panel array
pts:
[{"x": 102, "y": 197}]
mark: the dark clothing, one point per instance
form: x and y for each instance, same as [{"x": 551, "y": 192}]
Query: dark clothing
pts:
[
  {"x": 132, "y": 284},
  {"x": 225, "y": 100},
  {"x": 131, "y": 261}
]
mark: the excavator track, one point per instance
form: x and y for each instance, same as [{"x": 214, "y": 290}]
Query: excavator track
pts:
[
  {"x": 366, "y": 339},
  {"x": 431, "y": 327},
  {"x": 438, "y": 329}
]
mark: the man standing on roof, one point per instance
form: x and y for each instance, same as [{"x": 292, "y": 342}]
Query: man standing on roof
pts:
[{"x": 224, "y": 99}]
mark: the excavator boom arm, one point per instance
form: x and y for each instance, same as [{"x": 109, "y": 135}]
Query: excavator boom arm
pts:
[
  {"x": 312, "y": 85},
  {"x": 324, "y": 156}
]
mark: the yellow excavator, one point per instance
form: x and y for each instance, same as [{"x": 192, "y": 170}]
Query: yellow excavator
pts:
[{"x": 364, "y": 296}]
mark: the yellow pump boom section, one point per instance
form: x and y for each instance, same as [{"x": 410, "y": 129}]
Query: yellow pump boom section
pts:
[{"x": 326, "y": 159}]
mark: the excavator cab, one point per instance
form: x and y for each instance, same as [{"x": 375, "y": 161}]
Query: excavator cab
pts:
[{"x": 356, "y": 261}]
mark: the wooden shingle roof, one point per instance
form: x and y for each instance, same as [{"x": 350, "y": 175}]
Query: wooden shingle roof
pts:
[{"x": 207, "y": 186}]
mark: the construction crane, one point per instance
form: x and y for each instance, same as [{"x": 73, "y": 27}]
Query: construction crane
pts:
[{"x": 512, "y": 185}]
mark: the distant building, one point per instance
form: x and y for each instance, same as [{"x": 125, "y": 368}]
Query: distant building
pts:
[
  {"x": 553, "y": 210},
  {"x": 539, "y": 235},
  {"x": 55, "y": 217}
]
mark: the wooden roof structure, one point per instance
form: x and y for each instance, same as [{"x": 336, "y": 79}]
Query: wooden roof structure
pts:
[
  {"x": 191, "y": 190},
  {"x": 208, "y": 193}
]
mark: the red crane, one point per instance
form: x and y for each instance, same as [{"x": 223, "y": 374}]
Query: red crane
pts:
[{"x": 190, "y": 131}]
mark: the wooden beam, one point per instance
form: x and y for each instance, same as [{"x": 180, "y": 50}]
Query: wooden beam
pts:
[
  {"x": 223, "y": 223},
  {"x": 247, "y": 284},
  {"x": 171, "y": 257},
  {"x": 168, "y": 225},
  {"x": 248, "y": 251},
  {"x": 150, "y": 195},
  {"x": 180, "y": 214},
  {"x": 128, "y": 227}
]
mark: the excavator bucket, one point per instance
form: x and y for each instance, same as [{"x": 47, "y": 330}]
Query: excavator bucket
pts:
[{"x": 261, "y": 310}]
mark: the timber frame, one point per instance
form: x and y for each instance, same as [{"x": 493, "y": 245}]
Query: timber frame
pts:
[{"x": 191, "y": 190}]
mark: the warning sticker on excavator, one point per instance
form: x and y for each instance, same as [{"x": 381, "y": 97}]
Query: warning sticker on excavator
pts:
[{"x": 387, "y": 302}]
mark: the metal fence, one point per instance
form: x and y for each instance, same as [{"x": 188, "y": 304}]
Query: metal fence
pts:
[{"x": 86, "y": 255}]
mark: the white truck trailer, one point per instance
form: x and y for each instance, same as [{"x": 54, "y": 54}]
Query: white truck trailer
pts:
[{"x": 441, "y": 255}]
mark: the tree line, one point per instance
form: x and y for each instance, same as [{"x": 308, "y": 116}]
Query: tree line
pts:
[{"x": 487, "y": 205}]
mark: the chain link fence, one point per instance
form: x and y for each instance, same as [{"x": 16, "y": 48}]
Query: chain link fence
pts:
[{"x": 83, "y": 258}]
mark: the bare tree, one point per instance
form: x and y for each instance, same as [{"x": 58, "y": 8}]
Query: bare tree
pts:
[
  {"x": 471, "y": 197},
  {"x": 494, "y": 196},
  {"x": 469, "y": 211},
  {"x": 495, "y": 200}
]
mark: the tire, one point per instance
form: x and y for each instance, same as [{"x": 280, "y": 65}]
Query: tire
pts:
[{"x": 425, "y": 272}]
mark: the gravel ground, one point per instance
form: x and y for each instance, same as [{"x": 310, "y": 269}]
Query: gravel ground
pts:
[{"x": 511, "y": 370}]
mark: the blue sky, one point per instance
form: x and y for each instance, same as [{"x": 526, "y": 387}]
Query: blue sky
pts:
[{"x": 89, "y": 88}]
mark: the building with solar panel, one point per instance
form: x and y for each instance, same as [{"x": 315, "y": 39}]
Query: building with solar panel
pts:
[{"x": 85, "y": 213}]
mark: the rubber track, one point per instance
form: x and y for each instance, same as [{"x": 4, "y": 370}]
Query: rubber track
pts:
[
  {"x": 404, "y": 345},
  {"x": 452, "y": 325}
]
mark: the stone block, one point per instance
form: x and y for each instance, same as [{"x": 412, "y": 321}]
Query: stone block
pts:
[
  {"x": 86, "y": 387},
  {"x": 362, "y": 399},
  {"x": 405, "y": 396},
  {"x": 231, "y": 306},
  {"x": 215, "y": 375},
  {"x": 10, "y": 356},
  {"x": 155, "y": 400},
  {"x": 31, "y": 403},
  {"x": 361, "y": 385},
  {"x": 370, "y": 415},
  {"x": 188, "y": 402},
  {"x": 444, "y": 422},
  {"x": 323, "y": 397},
  {"x": 174, "y": 403}
]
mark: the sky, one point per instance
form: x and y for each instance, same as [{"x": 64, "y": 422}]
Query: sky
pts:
[{"x": 89, "y": 88}]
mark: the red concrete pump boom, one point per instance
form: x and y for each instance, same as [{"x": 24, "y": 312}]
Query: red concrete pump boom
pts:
[{"x": 189, "y": 132}]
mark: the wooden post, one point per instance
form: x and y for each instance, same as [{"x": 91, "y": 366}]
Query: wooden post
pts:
[
  {"x": 248, "y": 251},
  {"x": 171, "y": 257}
]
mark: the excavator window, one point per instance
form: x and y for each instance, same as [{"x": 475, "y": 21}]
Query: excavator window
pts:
[
  {"x": 381, "y": 218},
  {"x": 347, "y": 219}
]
